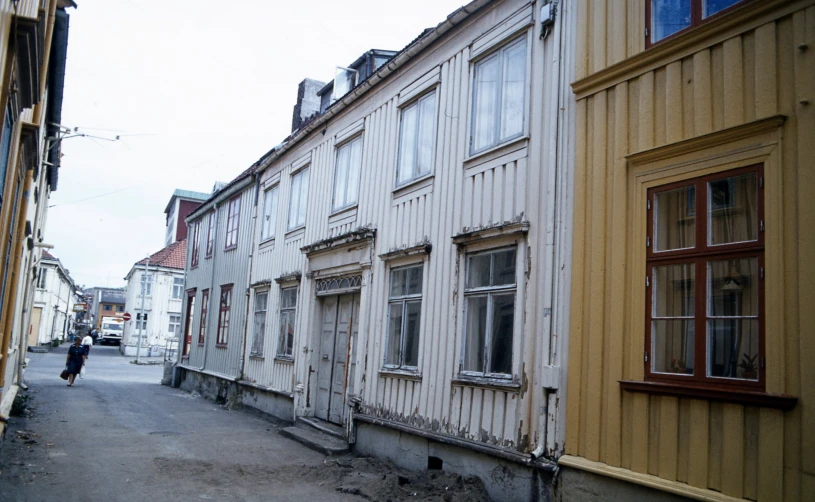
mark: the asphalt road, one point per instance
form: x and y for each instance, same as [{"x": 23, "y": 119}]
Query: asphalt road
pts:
[{"x": 118, "y": 435}]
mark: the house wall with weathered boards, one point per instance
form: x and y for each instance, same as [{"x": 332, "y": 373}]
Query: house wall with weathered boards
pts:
[
  {"x": 505, "y": 196},
  {"x": 736, "y": 91},
  {"x": 224, "y": 267}
]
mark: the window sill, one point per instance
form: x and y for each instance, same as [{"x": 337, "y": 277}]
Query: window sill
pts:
[
  {"x": 200, "y": 344},
  {"x": 745, "y": 397},
  {"x": 295, "y": 232},
  {"x": 284, "y": 359},
  {"x": 207, "y": 257},
  {"x": 342, "y": 213},
  {"x": 487, "y": 382},
  {"x": 231, "y": 248},
  {"x": 266, "y": 243},
  {"x": 221, "y": 345},
  {"x": 257, "y": 357},
  {"x": 504, "y": 148},
  {"x": 411, "y": 185},
  {"x": 401, "y": 373}
]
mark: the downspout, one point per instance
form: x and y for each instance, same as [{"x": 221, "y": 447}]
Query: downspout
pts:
[
  {"x": 249, "y": 278},
  {"x": 211, "y": 284},
  {"x": 549, "y": 253}
]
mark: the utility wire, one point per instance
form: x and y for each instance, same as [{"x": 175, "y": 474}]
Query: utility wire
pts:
[{"x": 93, "y": 197}]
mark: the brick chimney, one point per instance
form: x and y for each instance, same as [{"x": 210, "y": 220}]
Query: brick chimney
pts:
[{"x": 308, "y": 102}]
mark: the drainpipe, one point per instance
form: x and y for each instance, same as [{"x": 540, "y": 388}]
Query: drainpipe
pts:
[
  {"x": 211, "y": 284},
  {"x": 249, "y": 278}
]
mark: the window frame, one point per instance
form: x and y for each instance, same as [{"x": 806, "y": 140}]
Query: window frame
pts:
[
  {"x": 267, "y": 231},
  {"x": 189, "y": 318},
  {"x": 497, "y": 51},
  {"x": 202, "y": 324},
  {"x": 259, "y": 339},
  {"x": 174, "y": 327},
  {"x": 211, "y": 234},
  {"x": 416, "y": 102},
  {"x": 224, "y": 316},
  {"x": 233, "y": 221},
  {"x": 147, "y": 284},
  {"x": 303, "y": 187},
  {"x": 107, "y": 307},
  {"x": 179, "y": 288},
  {"x": 699, "y": 256},
  {"x": 347, "y": 144},
  {"x": 696, "y": 20},
  {"x": 404, "y": 300},
  {"x": 489, "y": 292},
  {"x": 196, "y": 247},
  {"x": 291, "y": 314}
]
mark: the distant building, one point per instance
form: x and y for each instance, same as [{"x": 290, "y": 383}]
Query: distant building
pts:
[
  {"x": 105, "y": 302},
  {"x": 52, "y": 317},
  {"x": 162, "y": 279},
  {"x": 181, "y": 204}
]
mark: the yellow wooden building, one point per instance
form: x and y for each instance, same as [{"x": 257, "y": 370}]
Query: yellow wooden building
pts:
[{"x": 692, "y": 338}]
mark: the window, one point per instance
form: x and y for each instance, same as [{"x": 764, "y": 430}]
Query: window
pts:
[
  {"x": 269, "y": 214},
  {"x": 404, "y": 317},
  {"x": 108, "y": 308},
  {"x": 288, "y": 308},
  {"x": 417, "y": 138},
  {"x": 174, "y": 329},
  {"x": 668, "y": 17},
  {"x": 225, "y": 306},
  {"x": 202, "y": 326},
  {"x": 259, "y": 332},
  {"x": 141, "y": 326},
  {"x": 196, "y": 248},
  {"x": 178, "y": 288},
  {"x": 498, "y": 98},
  {"x": 346, "y": 174},
  {"x": 119, "y": 308},
  {"x": 232, "y": 222},
  {"x": 705, "y": 266},
  {"x": 43, "y": 276},
  {"x": 185, "y": 351},
  {"x": 147, "y": 284},
  {"x": 299, "y": 199},
  {"x": 490, "y": 313},
  {"x": 211, "y": 234}
]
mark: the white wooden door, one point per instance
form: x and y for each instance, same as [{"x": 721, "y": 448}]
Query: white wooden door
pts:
[{"x": 339, "y": 321}]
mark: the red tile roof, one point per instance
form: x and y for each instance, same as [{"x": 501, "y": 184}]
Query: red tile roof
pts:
[
  {"x": 172, "y": 256},
  {"x": 48, "y": 256}
]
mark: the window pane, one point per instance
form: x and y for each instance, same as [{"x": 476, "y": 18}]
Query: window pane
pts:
[
  {"x": 407, "y": 146},
  {"x": 710, "y": 7},
  {"x": 672, "y": 345},
  {"x": 294, "y": 203},
  {"x": 512, "y": 91},
  {"x": 486, "y": 97},
  {"x": 733, "y": 288},
  {"x": 673, "y": 290},
  {"x": 301, "y": 209},
  {"x": 341, "y": 176},
  {"x": 733, "y": 210},
  {"x": 413, "y": 312},
  {"x": 394, "y": 333},
  {"x": 427, "y": 134},
  {"x": 503, "y": 314},
  {"x": 260, "y": 302},
  {"x": 733, "y": 348},
  {"x": 478, "y": 274},
  {"x": 675, "y": 219},
  {"x": 354, "y": 168},
  {"x": 668, "y": 17},
  {"x": 398, "y": 278},
  {"x": 476, "y": 332},
  {"x": 503, "y": 268},
  {"x": 288, "y": 298},
  {"x": 269, "y": 213},
  {"x": 414, "y": 280}
]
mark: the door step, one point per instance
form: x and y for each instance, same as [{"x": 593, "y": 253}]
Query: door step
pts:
[
  {"x": 321, "y": 425},
  {"x": 316, "y": 439}
]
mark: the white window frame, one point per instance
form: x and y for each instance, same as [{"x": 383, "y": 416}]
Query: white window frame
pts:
[
  {"x": 147, "y": 284},
  {"x": 267, "y": 226},
  {"x": 476, "y": 64},
  {"x": 174, "y": 328},
  {"x": 403, "y": 300},
  {"x": 178, "y": 288},
  {"x": 301, "y": 178},
  {"x": 416, "y": 103},
  {"x": 489, "y": 292},
  {"x": 289, "y": 313},
  {"x": 259, "y": 335},
  {"x": 347, "y": 200}
]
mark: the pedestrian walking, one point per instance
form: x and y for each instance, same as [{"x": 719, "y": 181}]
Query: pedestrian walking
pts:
[
  {"x": 87, "y": 343},
  {"x": 75, "y": 360}
]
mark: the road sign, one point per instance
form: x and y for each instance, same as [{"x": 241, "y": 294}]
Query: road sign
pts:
[{"x": 126, "y": 317}]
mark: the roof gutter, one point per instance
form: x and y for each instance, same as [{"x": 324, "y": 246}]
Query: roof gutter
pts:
[{"x": 394, "y": 64}]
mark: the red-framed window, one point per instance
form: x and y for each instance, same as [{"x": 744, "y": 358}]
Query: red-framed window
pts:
[
  {"x": 225, "y": 306},
  {"x": 232, "y": 221},
  {"x": 211, "y": 234},
  {"x": 202, "y": 326},
  {"x": 185, "y": 352},
  {"x": 196, "y": 248},
  {"x": 705, "y": 281},
  {"x": 667, "y": 18}
]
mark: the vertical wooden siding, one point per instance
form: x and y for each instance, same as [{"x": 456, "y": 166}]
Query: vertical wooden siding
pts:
[{"x": 741, "y": 451}]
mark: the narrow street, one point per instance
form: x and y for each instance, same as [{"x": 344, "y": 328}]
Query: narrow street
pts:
[{"x": 119, "y": 435}]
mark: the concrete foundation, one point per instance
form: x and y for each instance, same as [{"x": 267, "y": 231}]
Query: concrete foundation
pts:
[
  {"x": 271, "y": 405},
  {"x": 504, "y": 480},
  {"x": 575, "y": 485}
]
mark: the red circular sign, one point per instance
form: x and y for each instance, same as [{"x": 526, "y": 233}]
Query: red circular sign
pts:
[{"x": 126, "y": 317}]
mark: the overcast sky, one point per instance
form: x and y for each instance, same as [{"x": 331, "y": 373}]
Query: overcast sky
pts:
[{"x": 197, "y": 90}]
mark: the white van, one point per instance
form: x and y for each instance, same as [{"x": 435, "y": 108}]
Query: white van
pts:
[{"x": 112, "y": 329}]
